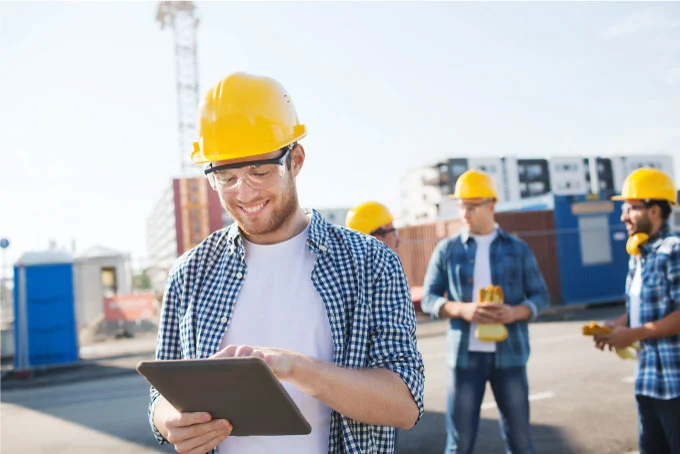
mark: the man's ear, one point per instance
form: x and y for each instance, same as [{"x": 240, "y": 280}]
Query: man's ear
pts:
[
  {"x": 655, "y": 212},
  {"x": 297, "y": 160}
]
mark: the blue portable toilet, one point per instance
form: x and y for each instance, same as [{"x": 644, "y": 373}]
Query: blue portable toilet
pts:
[
  {"x": 591, "y": 249},
  {"x": 44, "y": 314}
]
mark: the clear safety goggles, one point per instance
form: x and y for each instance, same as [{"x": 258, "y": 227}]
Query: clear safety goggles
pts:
[
  {"x": 384, "y": 232},
  {"x": 472, "y": 207},
  {"x": 626, "y": 207},
  {"x": 256, "y": 174}
]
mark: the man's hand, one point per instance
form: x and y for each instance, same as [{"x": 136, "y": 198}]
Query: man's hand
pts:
[
  {"x": 195, "y": 433},
  {"x": 478, "y": 312},
  {"x": 503, "y": 313},
  {"x": 620, "y": 337},
  {"x": 281, "y": 362}
]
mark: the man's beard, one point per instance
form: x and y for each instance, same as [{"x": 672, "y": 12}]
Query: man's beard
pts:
[
  {"x": 642, "y": 225},
  {"x": 277, "y": 219}
]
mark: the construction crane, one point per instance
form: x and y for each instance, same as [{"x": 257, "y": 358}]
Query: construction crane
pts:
[
  {"x": 193, "y": 224},
  {"x": 181, "y": 18}
]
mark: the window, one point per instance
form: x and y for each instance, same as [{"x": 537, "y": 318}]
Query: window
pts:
[
  {"x": 566, "y": 167},
  {"x": 596, "y": 249},
  {"x": 108, "y": 281},
  {"x": 488, "y": 168}
]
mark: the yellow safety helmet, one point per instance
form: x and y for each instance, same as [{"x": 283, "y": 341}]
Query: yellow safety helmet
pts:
[
  {"x": 368, "y": 216},
  {"x": 474, "y": 184},
  {"x": 647, "y": 184},
  {"x": 245, "y": 115}
]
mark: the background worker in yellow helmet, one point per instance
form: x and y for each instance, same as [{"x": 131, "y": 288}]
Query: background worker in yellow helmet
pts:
[
  {"x": 373, "y": 218},
  {"x": 481, "y": 255},
  {"x": 652, "y": 315},
  {"x": 327, "y": 308}
]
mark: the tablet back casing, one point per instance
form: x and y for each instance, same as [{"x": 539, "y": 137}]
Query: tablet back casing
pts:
[{"x": 242, "y": 390}]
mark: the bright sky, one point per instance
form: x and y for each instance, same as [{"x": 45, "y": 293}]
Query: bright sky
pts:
[{"x": 88, "y": 115}]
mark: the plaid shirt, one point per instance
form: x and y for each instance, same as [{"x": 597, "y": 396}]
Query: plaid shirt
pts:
[
  {"x": 362, "y": 285},
  {"x": 513, "y": 267},
  {"x": 659, "y": 359}
]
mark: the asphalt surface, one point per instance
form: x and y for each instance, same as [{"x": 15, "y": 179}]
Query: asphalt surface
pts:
[{"x": 581, "y": 399}]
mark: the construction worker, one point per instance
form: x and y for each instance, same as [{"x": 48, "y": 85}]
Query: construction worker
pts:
[
  {"x": 328, "y": 309},
  {"x": 652, "y": 317},
  {"x": 482, "y": 255},
  {"x": 373, "y": 218}
]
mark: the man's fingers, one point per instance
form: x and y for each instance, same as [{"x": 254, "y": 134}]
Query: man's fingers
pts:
[
  {"x": 483, "y": 318},
  {"x": 204, "y": 436},
  {"x": 210, "y": 444},
  {"x": 258, "y": 354},
  {"x": 187, "y": 419},
  {"x": 492, "y": 313},
  {"x": 243, "y": 350},
  {"x": 227, "y": 352},
  {"x": 231, "y": 351}
]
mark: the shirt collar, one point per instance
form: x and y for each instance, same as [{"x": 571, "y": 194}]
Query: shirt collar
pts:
[
  {"x": 465, "y": 235},
  {"x": 656, "y": 240},
  {"x": 318, "y": 235}
]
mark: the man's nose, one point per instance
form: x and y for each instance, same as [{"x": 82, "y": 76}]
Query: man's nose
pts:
[{"x": 243, "y": 190}]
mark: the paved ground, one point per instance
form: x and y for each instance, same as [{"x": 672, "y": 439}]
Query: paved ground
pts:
[{"x": 582, "y": 399}]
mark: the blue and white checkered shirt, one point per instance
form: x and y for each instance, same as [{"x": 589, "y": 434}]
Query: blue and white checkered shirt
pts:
[
  {"x": 450, "y": 276},
  {"x": 659, "y": 359},
  {"x": 362, "y": 285}
]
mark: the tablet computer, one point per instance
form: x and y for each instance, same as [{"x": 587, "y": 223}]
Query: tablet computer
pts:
[{"x": 242, "y": 390}]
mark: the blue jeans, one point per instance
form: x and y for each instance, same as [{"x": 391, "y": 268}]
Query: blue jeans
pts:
[
  {"x": 465, "y": 393},
  {"x": 659, "y": 425}
]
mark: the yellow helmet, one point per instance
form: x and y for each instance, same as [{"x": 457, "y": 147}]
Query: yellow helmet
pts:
[
  {"x": 474, "y": 184},
  {"x": 368, "y": 216},
  {"x": 242, "y": 116},
  {"x": 646, "y": 184}
]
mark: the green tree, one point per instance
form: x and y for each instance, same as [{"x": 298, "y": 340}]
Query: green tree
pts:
[{"x": 141, "y": 281}]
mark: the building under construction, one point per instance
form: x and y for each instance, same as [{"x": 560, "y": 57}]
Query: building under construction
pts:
[{"x": 188, "y": 211}]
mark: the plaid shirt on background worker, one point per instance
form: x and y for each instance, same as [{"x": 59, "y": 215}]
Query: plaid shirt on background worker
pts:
[
  {"x": 659, "y": 359},
  {"x": 362, "y": 285}
]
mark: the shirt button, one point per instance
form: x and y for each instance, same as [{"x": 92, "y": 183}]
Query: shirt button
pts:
[
  {"x": 239, "y": 275},
  {"x": 223, "y": 319}
]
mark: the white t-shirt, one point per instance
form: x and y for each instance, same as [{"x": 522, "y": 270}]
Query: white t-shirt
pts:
[
  {"x": 634, "y": 296},
  {"x": 635, "y": 302},
  {"x": 278, "y": 306},
  {"x": 481, "y": 279}
]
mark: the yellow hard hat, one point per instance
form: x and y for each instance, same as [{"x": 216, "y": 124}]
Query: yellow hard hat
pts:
[
  {"x": 646, "y": 184},
  {"x": 368, "y": 216},
  {"x": 474, "y": 184},
  {"x": 245, "y": 115}
]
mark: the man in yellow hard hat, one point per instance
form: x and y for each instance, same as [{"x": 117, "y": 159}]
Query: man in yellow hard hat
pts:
[
  {"x": 483, "y": 254},
  {"x": 328, "y": 309},
  {"x": 373, "y": 218},
  {"x": 652, "y": 316}
]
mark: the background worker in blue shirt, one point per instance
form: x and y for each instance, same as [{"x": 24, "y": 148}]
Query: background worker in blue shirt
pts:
[
  {"x": 481, "y": 255},
  {"x": 652, "y": 317}
]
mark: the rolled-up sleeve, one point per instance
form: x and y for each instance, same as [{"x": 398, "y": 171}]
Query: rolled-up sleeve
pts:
[
  {"x": 393, "y": 344},
  {"x": 536, "y": 294},
  {"x": 435, "y": 284},
  {"x": 168, "y": 344},
  {"x": 673, "y": 275}
]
